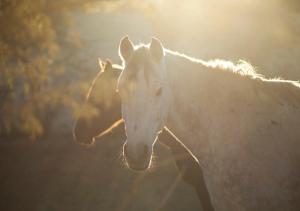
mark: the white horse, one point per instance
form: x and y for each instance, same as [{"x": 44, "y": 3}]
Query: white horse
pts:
[{"x": 243, "y": 128}]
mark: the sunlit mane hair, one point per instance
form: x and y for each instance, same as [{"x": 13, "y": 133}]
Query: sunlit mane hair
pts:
[{"x": 242, "y": 67}]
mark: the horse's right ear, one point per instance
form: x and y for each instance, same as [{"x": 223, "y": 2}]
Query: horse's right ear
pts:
[
  {"x": 126, "y": 48},
  {"x": 156, "y": 49}
]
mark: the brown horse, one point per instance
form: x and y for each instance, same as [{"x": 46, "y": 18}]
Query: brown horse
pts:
[{"x": 108, "y": 118}]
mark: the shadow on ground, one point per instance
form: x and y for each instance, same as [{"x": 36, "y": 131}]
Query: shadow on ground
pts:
[{"x": 58, "y": 174}]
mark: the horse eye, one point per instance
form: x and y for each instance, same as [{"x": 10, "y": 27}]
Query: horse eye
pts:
[{"x": 158, "y": 92}]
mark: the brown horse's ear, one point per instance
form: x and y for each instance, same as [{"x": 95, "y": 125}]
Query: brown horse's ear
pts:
[
  {"x": 126, "y": 48},
  {"x": 108, "y": 65},
  {"x": 156, "y": 49},
  {"x": 101, "y": 64}
]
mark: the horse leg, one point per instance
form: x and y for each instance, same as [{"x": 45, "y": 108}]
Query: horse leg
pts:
[{"x": 189, "y": 167}]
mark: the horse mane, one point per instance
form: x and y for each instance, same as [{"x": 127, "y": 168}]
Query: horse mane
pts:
[
  {"x": 279, "y": 90},
  {"x": 241, "y": 67}
]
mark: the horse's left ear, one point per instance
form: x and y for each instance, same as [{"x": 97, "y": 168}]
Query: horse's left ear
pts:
[{"x": 156, "y": 49}]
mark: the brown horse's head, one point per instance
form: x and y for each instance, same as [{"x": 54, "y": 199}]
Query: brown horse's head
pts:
[{"x": 102, "y": 95}]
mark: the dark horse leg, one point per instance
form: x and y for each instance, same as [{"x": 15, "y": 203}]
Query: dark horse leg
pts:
[
  {"x": 109, "y": 121},
  {"x": 189, "y": 167}
]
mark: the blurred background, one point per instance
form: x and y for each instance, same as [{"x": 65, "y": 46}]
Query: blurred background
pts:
[{"x": 49, "y": 54}]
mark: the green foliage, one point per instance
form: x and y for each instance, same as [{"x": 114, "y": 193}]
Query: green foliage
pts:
[{"x": 36, "y": 43}]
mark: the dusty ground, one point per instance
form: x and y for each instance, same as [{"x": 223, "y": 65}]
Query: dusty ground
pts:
[{"x": 58, "y": 174}]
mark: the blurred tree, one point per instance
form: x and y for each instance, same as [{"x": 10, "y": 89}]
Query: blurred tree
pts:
[
  {"x": 293, "y": 5},
  {"x": 37, "y": 39}
]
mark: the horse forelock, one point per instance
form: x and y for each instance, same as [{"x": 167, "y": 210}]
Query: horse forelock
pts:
[
  {"x": 138, "y": 58},
  {"x": 139, "y": 61}
]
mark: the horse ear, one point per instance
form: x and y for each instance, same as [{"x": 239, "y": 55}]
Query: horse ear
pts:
[
  {"x": 156, "y": 49},
  {"x": 101, "y": 64},
  {"x": 125, "y": 48},
  {"x": 108, "y": 65}
]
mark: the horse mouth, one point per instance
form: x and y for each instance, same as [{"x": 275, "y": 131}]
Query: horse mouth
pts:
[
  {"x": 137, "y": 165},
  {"x": 84, "y": 140},
  {"x": 138, "y": 160}
]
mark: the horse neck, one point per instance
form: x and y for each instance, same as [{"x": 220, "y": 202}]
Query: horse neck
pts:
[
  {"x": 183, "y": 84},
  {"x": 197, "y": 95}
]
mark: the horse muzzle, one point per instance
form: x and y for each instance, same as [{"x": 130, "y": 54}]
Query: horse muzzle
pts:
[{"x": 138, "y": 156}]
